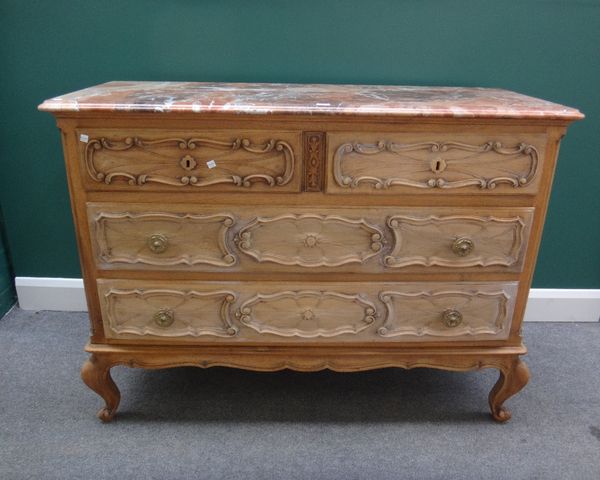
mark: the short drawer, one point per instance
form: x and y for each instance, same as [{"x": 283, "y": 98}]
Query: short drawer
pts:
[
  {"x": 390, "y": 163},
  {"x": 211, "y": 160},
  {"x": 291, "y": 312},
  {"x": 301, "y": 239}
]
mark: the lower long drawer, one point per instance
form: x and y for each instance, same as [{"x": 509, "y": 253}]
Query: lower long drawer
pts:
[{"x": 305, "y": 312}]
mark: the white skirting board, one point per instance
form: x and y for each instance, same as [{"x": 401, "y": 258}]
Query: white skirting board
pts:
[
  {"x": 60, "y": 294},
  {"x": 544, "y": 305}
]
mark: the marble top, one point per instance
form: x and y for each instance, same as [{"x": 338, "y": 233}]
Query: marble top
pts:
[{"x": 268, "y": 98}]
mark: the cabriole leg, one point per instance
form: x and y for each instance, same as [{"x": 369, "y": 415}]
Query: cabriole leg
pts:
[
  {"x": 95, "y": 373},
  {"x": 513, "y": 377}
]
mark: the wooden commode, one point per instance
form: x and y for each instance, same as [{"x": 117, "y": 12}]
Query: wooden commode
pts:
[{"x": 266, "y": 226}]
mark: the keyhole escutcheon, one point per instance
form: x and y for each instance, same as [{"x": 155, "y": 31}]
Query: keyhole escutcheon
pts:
[
  {"x": 188, "y": 162},
  {"x": 438, "y": 165}
]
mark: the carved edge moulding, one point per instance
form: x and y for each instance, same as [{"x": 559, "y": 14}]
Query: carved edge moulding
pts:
[
  {"x": 310, "y": 310},
  {"x": 517, "y": 179},
  {"x": 165, "y": 317},
  {"x": 228, "y": 258},
  {"x": 396, "y": 259},
  {"x": 391, "y": 328},
  {"x": 187, "y": 145},
  {"x": 310, "y": 240}
]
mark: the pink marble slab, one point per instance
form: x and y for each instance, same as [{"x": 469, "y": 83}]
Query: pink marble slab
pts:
[{"x": 268, "y": 98}]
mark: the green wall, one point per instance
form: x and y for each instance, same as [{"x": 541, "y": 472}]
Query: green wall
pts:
[
  {"x": 7, "y": 290},
  {"x": 545, "y": 48}
]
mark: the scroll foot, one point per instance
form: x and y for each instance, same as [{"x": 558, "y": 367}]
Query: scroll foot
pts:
[
  {"x": 96, "y": 374},
  {"x": 513, "y": 377}
]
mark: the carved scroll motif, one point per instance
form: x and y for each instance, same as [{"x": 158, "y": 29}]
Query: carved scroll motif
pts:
[
  {"x": 420, "y": 314},
  {"x": 310, "y": 240},
  {"x": 307, "y": 314},
  {"x": 422, "y": 165},
  {"x": 162, "y": 167},
  {"x": 195, "y": 313}
]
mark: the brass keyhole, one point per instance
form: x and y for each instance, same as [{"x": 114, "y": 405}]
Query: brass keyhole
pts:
[
  {"x": 438, "y": 165},
  {"x": 188, "y": 162}
]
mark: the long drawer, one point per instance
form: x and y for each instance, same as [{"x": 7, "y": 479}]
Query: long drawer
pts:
[
  {"x": 434, "y": 162},
  {"x": 309, "y": 312},
  {"x": 300, "y": 239},
  {"x": 190, "y": 160}
]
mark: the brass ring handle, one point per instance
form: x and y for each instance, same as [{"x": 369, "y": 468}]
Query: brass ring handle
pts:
[
  {"x": 452, "y": 318},
  {"x": 164, "y": 317},
  {"x": 463, "y": 246},
  {"x": 158, "y": 243}
]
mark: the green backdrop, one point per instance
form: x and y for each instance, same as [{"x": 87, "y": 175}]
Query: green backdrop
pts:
[
  {"x": 7, "y": 291},
  {"x": 545, "y": 48}
]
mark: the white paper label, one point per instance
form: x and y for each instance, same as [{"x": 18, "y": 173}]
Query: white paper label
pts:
[
  {"x": 211, "y": 164},
  {"x": 83, "y": 138}
]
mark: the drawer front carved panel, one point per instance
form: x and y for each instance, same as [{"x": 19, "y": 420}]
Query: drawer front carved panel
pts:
[
  {"x": 310, "y": 240},
  {"x": 166, "y": 312},
  {"x": 458, "y": 241},
  {"x": 191, "y": 160},
  {"x": 454, "y": 312},
  {"x": 429, "y": 163},
  {"x": 308, "y": 313},
  {"x": 161, "y": 239}
]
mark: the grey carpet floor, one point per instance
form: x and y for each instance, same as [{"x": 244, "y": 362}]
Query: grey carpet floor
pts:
[{"x": 228, "y": 424}]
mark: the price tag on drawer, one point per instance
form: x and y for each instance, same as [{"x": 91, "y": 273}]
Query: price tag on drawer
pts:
[
  {"x": 211, "y": 164},
  {"x": 84, "y": 138}
]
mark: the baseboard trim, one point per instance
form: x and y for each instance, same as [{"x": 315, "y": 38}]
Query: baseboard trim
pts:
[
  {"x": 563, "y": 305},
  {"x": 544, "y": 305},
  {"x": 39, "y": 293}
]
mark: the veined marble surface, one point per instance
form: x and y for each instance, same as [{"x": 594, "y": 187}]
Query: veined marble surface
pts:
[{"x": 268, "y": 98}]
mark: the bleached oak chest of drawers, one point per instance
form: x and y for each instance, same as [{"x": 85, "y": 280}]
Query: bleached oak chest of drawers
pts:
[{"x": 266, "y": 226}]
